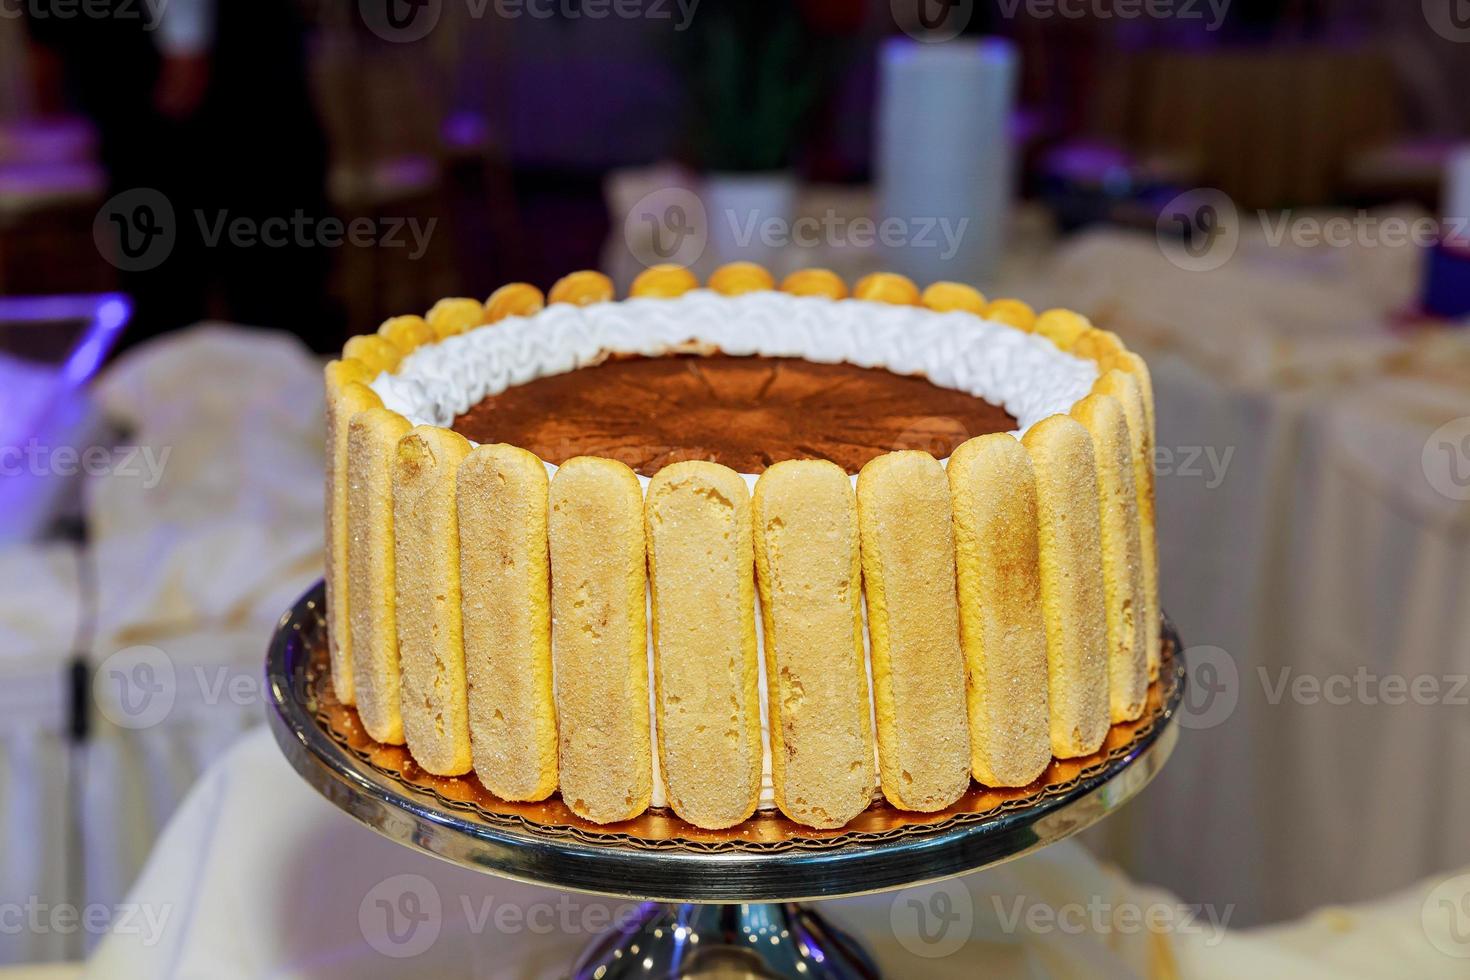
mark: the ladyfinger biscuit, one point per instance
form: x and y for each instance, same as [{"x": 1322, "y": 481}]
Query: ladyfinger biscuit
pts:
[
  {"x": 513, "y": 299},
  {"x": 339, "y": 373},
  {"x": 455, "y": 315},
  {"x": 581, "y": 288},
  {"x": 434, "y": 698},
  {"x": 1072, "y": 598},
  {"x": 807, "y": 567},
  {"x": 505, "y": 593},
  {"x": 815, "y": 282},
  {"x": 907, "y": 533},
  {"x": 1062, "y": 327},
  {"x": 1104, "y": 420},
  {"x": 706, "y": 669},
  {"x": 377, "y": 353},
  {"x": 946, "y": 297},
  {"x": 1138, "y": 368},
  {"x": 663, "y": 282},
  {"x": 735, "y": 278},
  {"x": 600, "y": 639},
  {"x": 342, "y": 403},
  {"x": 1124, "y": 387},
  {"x": 887, "y": 287},
  {"x": 1002, "y": 628},
  {"x": 1102, "y": 346},
  {"x": 1012, "y": 312},
  {"x": 372, "y": 447},
  {"x": 407, "y": 333}
]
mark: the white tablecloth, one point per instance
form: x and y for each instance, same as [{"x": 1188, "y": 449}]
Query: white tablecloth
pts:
[
  {"x": 293, "y": 889},
  {"x": 1322, "y": 554}
]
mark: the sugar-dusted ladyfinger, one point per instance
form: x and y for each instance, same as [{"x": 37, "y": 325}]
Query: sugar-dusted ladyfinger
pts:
[
  {"x": 505, "y": 593},
  {"x": 993, "y": 488},
  {"x": 706, "y": 661},
  {"x": 1125, "y": 388},
  {"x": 907, "y": 533},
  {"x": 1136, "y": 366},
  {"x": 808, "y": 570},
  {"x": 372, "y": 449},
  {"x": 343, "y": 400},
  {"x": 1072, "y": 597},
  {"x": 434, "y": 695},
  {"x": 1103, "y": 417},
  {"x": 600, "y": 639}
]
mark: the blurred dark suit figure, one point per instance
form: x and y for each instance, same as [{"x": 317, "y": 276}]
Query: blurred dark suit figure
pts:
[{"x": 209, "y": 106}]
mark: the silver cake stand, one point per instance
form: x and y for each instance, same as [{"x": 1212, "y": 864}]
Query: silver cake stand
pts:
[{"x": 726, "y": 905}]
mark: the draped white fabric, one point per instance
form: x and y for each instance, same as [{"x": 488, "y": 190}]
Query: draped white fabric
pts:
[
  {"x": 1328, "y": 561},
  {"x": 298, "y": 889},
  {"x": 197, "y": 548}
]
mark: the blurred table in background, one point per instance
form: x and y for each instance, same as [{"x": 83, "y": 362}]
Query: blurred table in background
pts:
[{"x": 1310, "y": 533}]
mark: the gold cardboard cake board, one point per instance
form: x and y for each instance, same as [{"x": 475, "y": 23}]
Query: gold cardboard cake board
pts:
[{"x": 768, "y": 831}]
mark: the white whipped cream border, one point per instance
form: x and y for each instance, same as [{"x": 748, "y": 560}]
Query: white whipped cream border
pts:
[{"x": 1024, "y": 373}]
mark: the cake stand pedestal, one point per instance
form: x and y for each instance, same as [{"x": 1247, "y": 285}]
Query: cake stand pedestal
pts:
[{"x": 714, "y": 904}]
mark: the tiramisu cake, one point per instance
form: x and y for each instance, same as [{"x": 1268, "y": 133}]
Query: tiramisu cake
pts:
[{"x": 725, "y": 548}]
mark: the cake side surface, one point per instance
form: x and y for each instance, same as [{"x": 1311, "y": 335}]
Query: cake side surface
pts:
[{"x": 893, "y": 375}]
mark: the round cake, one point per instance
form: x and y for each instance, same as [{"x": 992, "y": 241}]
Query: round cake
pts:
[{"x": 726, "y": 548}]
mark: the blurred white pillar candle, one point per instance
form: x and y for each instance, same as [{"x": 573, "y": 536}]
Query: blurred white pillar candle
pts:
[{"x": 944, "y": 156}]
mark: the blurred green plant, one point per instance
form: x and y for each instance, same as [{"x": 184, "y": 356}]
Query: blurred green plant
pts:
[{"x": 755, "y": 70}]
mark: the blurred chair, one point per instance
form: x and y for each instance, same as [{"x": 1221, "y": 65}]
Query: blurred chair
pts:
[
  {"x": 15, "y": 94},
  {"x": 382, "y": 108},
  {"x": 50, "y": 189}
]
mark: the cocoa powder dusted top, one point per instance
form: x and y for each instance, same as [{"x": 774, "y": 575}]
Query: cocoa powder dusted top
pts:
[{"x": 744, "y": 412}]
